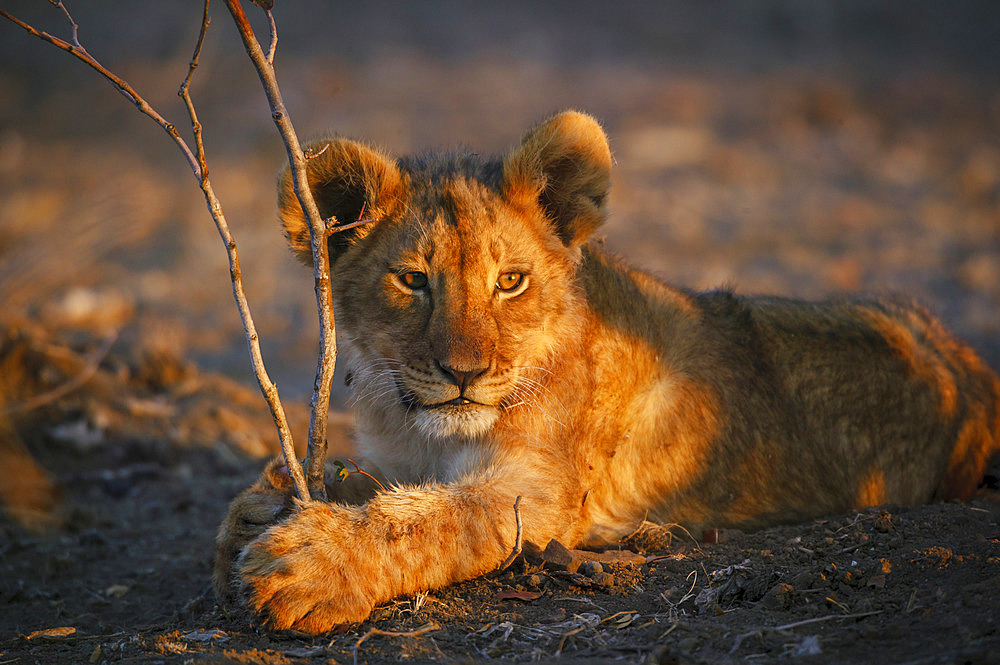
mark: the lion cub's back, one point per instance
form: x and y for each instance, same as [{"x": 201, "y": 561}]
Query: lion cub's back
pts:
[{"x": 910, "y": 412}]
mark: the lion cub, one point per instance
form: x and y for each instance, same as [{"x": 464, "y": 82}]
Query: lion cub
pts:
[{"x": 497, "y": 353}]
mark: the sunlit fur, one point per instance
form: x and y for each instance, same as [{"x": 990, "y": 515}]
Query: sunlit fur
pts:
[{"x": 598, "y": 394}]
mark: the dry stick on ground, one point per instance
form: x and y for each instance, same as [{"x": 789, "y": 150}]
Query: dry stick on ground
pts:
[
  {"x": 392, "y": 633},
  {"x": 796, "y": 624},
  {"x": 517, "y": 537},
  {"x": 200, "y": 169},
  {"x": 318, "y": 233}
]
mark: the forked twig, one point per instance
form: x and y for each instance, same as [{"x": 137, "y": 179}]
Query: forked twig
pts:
[
  {"x": 122, "y": 86},
  {"x": 320, "y": 402},
  {"x": 184, "y": 93},
  {"x": 215, "y": 208},
  {"x": 76, "y": 28},
  {"x": 344, "y": 473},
  {"x": 331, "y": 222},
  {"x": 331, "y": 228},
  {"x": 566, "y": 636},
  {"x": 200, "y": 169}
]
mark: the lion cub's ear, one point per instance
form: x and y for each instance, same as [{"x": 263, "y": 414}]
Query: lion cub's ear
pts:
[
  {"x": 350, "y": 181},
  {"x": 565, "y": 165}
]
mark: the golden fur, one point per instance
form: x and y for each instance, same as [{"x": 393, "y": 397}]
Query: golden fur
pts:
[{"x": 496, "y": 351}]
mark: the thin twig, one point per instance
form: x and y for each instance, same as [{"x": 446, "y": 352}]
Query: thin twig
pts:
[
  {"x": 797, "y": 624},
  {"x": 840, "y": 605},
  {"x": 200, "y": 171},
  {"x": 332, "y": 228},
  {"x": 432, "y": 626},
  {"x": 273, "y": 40},
  {"x": 313, "y": 155},
  {"x": 828, "y": 617},
  {"x": 76, "y": 28},
  {"x": 320, "y": 402},
  {"x": 617, "y": 614},
  {"x": 185, "y": 94},
  {"x": 215, "y": 209},
  {"x": 566, "y": 636},
  {"x": 88, "y": 371},
  {"x": 119, "y": 84},
  {"x": 517, "y": 538},
  {"x": 672, "y": 628},
  {"x": 358, "y": 469},
  {"x": 331, "y": 222}
]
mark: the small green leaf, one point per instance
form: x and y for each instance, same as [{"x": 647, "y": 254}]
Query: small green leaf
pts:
[{"x": 342, "y": 471}]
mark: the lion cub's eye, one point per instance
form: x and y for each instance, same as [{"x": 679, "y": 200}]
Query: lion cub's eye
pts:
[
  {"x": 413, "y": 280},
  {"x": 510, "y": 282}
]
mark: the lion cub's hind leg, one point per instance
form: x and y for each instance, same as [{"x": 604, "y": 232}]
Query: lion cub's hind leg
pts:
[{"x": 256, "y": 508}]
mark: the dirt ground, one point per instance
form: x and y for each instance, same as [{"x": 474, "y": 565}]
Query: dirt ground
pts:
[{"x": 779, "y": 147}]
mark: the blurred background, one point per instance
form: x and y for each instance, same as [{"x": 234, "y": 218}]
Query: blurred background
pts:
[{"x": 795, "y": 147}]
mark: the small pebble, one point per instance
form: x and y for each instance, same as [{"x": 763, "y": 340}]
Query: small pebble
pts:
[
  {"x": 688, "y": 644},
  {"x": 591, "y": 568},
  {"x": 804, "y": 580},
  {"x": 779, "y": 597},
  {"x": 604, "y": 579}
]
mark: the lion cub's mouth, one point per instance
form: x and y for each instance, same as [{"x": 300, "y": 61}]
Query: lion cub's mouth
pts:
[
  {"x": 458, "y": 401},
  {"x": 409, "y": 398}
]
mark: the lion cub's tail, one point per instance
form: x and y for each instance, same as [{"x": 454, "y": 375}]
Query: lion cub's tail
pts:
[
  {"x": 977, "y": 444},
  {"x": 977, "y": 441},
  {"x": 968, "y": 390}
]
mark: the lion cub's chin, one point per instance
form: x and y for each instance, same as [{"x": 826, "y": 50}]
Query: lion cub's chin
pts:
[{"x": 470, "y": 420}]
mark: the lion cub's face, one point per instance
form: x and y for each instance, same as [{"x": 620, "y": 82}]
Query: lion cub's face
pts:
[{"x": 449, "y": 307}]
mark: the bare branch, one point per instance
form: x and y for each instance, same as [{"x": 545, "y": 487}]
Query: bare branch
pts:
[
  {"x": 119, "y": 84},
  {"x": 267, "y": 387},
  {"x": 200, "y": 169},
  {"x": 76, "y": 28},
  {"x": 331, "y": 222},
  {"x": 313, "y": 155},
  {"x": 184, "y": 94},
  {"x": 320, "y": 403}
]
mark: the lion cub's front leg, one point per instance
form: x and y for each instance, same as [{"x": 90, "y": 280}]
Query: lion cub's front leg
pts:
[
  {"x": 329, "y": 564},
  {"x": 268, "y": 501}
]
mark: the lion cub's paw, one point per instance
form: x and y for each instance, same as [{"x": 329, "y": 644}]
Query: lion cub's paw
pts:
[
  {"x": 306, "y": 574},
  {"x": 264, "y": 503}
]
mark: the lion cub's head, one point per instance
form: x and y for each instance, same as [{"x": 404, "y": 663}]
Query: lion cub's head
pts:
[{"x": 451, "y": 304}]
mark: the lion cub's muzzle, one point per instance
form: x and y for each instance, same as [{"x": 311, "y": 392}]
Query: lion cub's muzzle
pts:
[
  {"x": 442, "y": 385},
  {"x": 454, "y": 400}
]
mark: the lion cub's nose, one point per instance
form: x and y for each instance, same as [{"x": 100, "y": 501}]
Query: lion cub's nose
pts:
[{"x": 462, "y": 378}]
